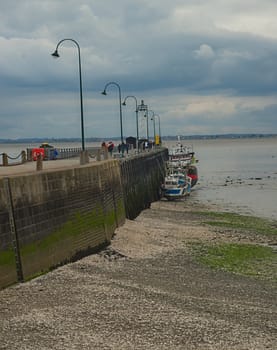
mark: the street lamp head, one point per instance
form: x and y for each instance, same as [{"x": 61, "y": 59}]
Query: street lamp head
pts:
[
  {"x": 55, "y": 54},
  {"x": 104, "y": 92}
]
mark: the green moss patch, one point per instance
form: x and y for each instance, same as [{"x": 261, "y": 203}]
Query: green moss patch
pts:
[
  {"x": 246, "y": 259},
  {"x": 7, "y": 257},
  {"x": 80, "y": 222},
  {"x": 242, "y": 222},
  {"x": 93, "y": 221}
]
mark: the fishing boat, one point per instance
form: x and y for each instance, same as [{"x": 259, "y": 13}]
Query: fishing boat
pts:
[
  {"x": 179, "y": 153},
  {"x": 192, "y": 172},
  {"x": 182, "y": 159},
  {"x": 176, "y": 186}
]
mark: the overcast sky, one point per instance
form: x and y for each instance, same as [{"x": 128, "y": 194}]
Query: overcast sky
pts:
[{"x": 203, "y": 66}]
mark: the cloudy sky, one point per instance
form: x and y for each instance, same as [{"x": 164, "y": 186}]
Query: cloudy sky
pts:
[{"x": 203, "y": 66}]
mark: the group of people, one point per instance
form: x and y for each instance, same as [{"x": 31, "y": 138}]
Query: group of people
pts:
[
  {"x": 122, "y": 148},
  {"x": 109, "y": 146}
]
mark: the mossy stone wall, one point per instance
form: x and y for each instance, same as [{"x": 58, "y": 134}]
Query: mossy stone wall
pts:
[{"x": 60, "y": 216}]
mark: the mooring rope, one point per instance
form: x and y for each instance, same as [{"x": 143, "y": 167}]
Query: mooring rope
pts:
[{"x": 13, "y": 158}]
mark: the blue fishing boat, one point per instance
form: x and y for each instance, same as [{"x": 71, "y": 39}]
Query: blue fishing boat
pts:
[{"x": 176, "y": 186}]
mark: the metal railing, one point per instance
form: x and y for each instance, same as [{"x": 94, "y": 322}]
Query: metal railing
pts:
[
  {"x": 62, "y": 153},
  {"x": 49, "y": 154},
  {"x": 9, "y": 160},
  {"x": 66, "y": 153}
]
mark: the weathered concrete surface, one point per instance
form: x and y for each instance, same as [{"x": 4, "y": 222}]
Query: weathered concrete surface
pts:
[
  {"x": 58, "y": 164},
  {"x": 31, "y": 167},
  {"x": 145, "y": 292}
]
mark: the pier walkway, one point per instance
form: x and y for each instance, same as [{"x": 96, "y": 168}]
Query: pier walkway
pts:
[{"x": 31, "y": 167}]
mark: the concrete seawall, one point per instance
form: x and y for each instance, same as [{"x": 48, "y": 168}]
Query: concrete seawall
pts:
[{"x": 49, "y": 218}]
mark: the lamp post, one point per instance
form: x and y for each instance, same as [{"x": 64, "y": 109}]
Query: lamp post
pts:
[
  {"x": 160, "y": 136},
  {"x": 104, "y": 92},
  {"x": 144, "y": 108},
  {"x": 124, "y": 104},
  {"x": 154, "y": 126},
  {"x": 56, "y": 54}
]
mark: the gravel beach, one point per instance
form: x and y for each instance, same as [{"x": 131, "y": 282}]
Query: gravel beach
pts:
[{"x": 145, "y": 291}]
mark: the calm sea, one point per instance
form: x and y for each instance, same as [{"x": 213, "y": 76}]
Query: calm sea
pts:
[{"x": 239, "y": 175}]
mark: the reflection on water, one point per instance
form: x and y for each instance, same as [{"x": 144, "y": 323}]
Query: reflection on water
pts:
[{"x": 238, "y": 174}]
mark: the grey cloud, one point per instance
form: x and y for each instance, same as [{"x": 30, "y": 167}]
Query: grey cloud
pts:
[{"x": 157, "y": 50}]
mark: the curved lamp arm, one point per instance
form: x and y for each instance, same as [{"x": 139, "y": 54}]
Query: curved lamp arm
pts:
[
  {"x": 56, "y": 54},
  {"x": 104, "y": 92},
  {"x": 136, "y": 101}
]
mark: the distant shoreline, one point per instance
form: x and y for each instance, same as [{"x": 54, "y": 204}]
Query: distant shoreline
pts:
[{"x": 165, "y": 138}]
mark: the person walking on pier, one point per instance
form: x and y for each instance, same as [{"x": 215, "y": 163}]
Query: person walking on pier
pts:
[{"x": 110, "y": 148}]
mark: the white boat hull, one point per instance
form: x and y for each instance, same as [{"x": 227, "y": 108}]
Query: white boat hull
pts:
[{"x": 176, "y": 186}]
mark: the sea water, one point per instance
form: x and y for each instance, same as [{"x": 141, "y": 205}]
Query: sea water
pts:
[{"x": 239, "y": 175}]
